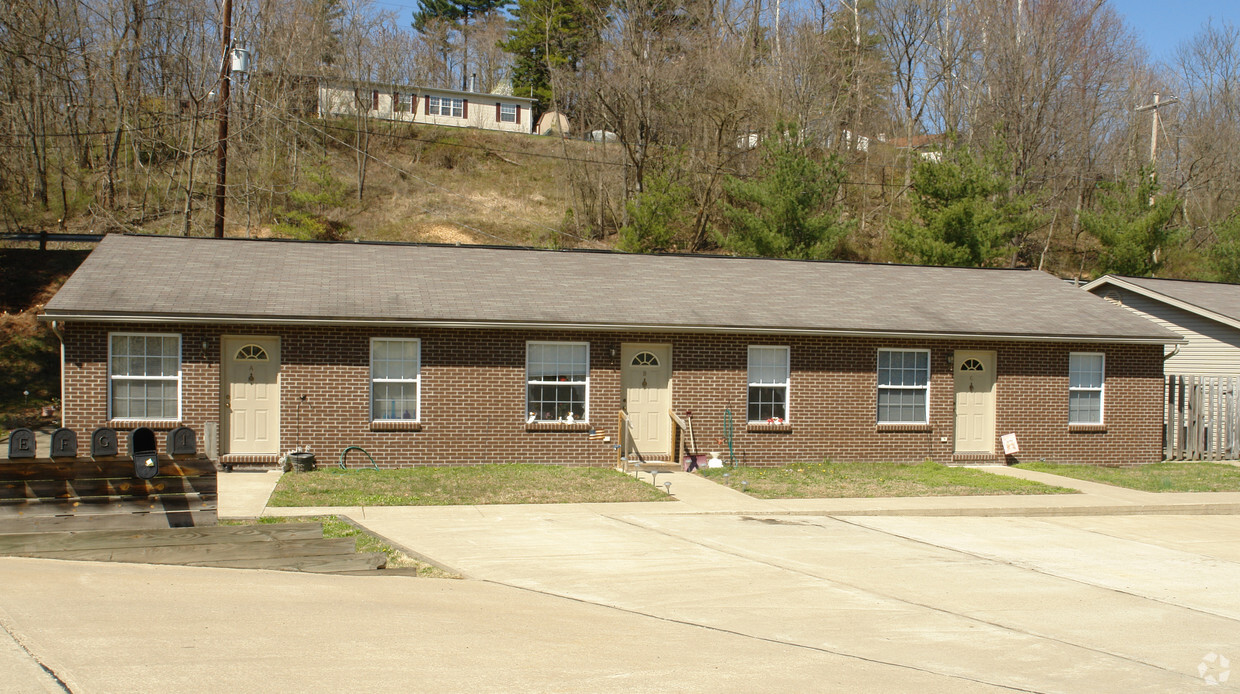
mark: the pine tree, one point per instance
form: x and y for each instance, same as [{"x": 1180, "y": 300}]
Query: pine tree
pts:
[
  {"x": 966, "y": 214},
  {"x": 1133, "y": 225},
  {"x": 788, "y": 210},
  {"x": 548, "y": 35}
]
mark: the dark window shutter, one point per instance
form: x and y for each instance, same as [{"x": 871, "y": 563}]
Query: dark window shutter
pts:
[
  {"x": 496, "y": 111},
  {"x": 464, "y": 108},
  {"x": 374, "y": 100},
  {"x": 428, "y": 104},
  {"x": 518, "y": 114}
]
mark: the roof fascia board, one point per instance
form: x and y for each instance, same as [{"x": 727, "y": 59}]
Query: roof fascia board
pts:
[
  {"x": 1159, "y": 296},
  {"x": 350, "y": 84},
  {"x": 595, "y": 327}
]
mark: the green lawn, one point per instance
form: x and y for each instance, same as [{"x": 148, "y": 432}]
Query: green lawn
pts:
[
  {"x": 856, "y": 480},
  {"x": 464, "y": 485},
  {"x": 1157, "y": 477}
]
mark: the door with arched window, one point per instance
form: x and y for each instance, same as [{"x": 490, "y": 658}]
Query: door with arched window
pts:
[
  {"x": 250, "y": 397},
  {"x": 975, "y": 401},
  {"x": 645, "y": 376}
]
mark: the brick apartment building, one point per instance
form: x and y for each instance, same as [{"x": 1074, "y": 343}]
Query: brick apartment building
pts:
[{"x": 427, "y": 355}]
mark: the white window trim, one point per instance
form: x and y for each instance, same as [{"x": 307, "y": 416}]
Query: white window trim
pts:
[
  {"x": 112, "y": 377},
  {"x": 446, "y": 106},
  {"x": 786, "y": 385},
  {"x": 1101, "y": 390},
  {"x": 585, "y": 418},
  {"x": 508, "y": 113},
  {"x": 880, "y": 386},
  {"x": 417, "y": 417}
]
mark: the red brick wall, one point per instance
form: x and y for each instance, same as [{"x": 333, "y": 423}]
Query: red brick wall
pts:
[{"x": 473, "y": 395}]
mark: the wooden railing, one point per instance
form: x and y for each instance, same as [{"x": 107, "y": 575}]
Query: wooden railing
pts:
[
  {"x": 622, "y": 441},
  {"x": 679, "y": 427}
]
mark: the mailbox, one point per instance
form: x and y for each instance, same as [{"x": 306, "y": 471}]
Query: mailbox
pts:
[
  {"x": 182, "y": 441},
  {"x": 145, "y": 457},
  {"x": 103, "y": 443},
  {"x": 21, "y": 444},
  {"x": 64, "y": 443}
]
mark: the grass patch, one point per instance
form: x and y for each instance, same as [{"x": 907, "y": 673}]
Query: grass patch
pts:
[
  {"x": 456, "y": 486},
  {"x": 1156, "y": 477},
  {"x": 829, "y": 480},
  {"x": 336, "y": 527}
]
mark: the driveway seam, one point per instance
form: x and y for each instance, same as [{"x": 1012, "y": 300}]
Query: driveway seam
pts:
[
  {"x": 791, "y": 644},
  {"x": 712, "y": 547},
  {"x": 6, "y": 623},
  {"x": 1035, "y": 569}
]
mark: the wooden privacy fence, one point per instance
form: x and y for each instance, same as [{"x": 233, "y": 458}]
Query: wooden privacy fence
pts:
[{"x": 1202, "y": 418}]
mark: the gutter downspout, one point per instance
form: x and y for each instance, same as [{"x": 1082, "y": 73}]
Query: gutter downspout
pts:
[
  {"x": 1174, "y": 351},
  {"x": 58, "y": 329}
]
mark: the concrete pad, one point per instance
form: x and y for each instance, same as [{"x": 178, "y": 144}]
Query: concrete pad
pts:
[
  {"x": 19, "y": 671},
  {"x": 244, "y": 493},
  {"x": 257, "y": 631},
  {"x": 1198, "y": 582},
  {"x": 788, "y": 580}
]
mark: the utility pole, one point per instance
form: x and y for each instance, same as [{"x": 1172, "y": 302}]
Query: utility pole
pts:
[
  {"x": 1153, "y": 109},
  {"x": 221, "y": 149}
]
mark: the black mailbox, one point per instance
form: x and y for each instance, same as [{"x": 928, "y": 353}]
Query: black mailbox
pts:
[
  {"x": 145, "y": 457},
  {"x": 182, "y": 441},
  {"x": 64, "y": 443},
  {"x": 21, "y": 444},
  {"x": 103, "y": 443}
]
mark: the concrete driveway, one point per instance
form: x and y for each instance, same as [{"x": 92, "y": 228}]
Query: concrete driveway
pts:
[{"x": 1121, "y": 603}]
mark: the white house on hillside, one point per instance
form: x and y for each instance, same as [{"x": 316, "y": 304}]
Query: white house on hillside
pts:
[{"x": 414, "y": 104}]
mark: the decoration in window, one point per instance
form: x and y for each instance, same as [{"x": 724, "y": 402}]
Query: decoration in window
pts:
[
  {"x": 251, "y": 353},
  {"x": 557, "y": 381},
  {"x": 645, "y": 359},
  {"x": 972, "y": 365},
  {"x": 768, "y": 384}
]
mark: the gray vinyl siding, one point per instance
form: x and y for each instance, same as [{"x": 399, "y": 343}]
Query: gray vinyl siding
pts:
[{"x": 1213, "y": 349}]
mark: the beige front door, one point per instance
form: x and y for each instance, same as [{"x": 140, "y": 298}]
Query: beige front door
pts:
[
  {"x": 250, "y": 411},
  {"x": 975, "y": 401},
  {"x": 645, "y": 375}
]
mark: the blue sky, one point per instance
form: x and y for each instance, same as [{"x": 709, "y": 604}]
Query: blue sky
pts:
[{"x": 1163, "y": 24}]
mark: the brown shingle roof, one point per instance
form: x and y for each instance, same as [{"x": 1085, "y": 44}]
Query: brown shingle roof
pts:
[{"x": 169, "y": 278}]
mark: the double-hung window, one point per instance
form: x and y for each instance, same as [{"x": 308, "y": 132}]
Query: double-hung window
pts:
[
  {"x": 395, "y": 379},
  {"x": 557, "y": 376},
  {"x": 768, "y": 384},
  {"x": 144, "y": 376},
  {"x": 508, "y": 113},
  {"x": 1086, "y": 375},
  {"x": 445, "y": 106},
  {"x": 903, "y": 386}
]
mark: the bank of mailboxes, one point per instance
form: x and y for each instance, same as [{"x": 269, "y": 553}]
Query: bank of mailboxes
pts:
[{"x": 104, "y": 442}]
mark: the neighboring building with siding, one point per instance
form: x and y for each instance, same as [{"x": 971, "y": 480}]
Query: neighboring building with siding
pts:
[
  {"x": 428, "y": 354},
  {"x": 1205, "y": 314},
  {"x": 414, "y": 104}
]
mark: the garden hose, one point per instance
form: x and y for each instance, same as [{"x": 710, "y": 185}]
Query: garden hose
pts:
[
  {"x": 345, "y": 452},
  {"x": 727, "y": 433}
]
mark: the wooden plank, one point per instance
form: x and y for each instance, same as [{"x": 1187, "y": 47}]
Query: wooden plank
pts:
[
  {"x": 123, "y": 487},
  {"x": 98, "y": 539},
  {"x": 28, "y": 524},
  {"x": 1179, "y": 419},
  {"x": 194, "y": 555},
  {"x": 100, "y": 504},
  {"x": 86, "y": 468},
  {"x": 339, "y": 563}
]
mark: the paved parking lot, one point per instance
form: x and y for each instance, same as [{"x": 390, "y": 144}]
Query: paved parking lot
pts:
[
  {"x": 1106, "y": 591},
  {"x": 1085, "y": 604}
]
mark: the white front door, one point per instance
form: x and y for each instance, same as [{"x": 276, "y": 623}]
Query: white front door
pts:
[
  {"x": 250, "y": 411},
  {"x": 975, "y": 401},
  {"x": 645, "y": 375}
]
